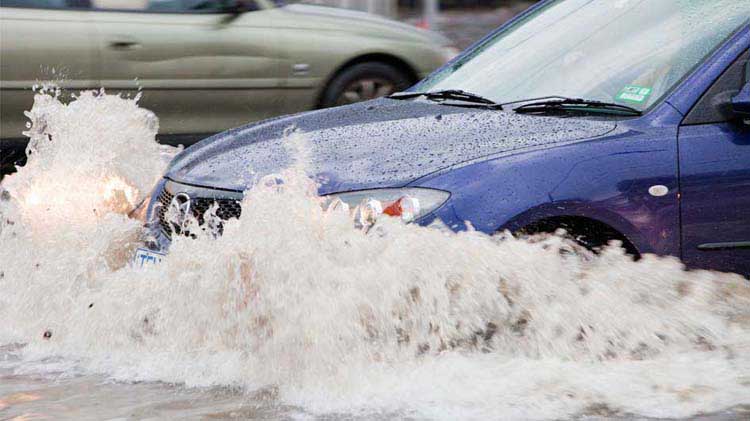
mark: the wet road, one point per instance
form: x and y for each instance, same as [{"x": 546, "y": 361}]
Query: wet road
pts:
[{"x": 50, "y": 397}]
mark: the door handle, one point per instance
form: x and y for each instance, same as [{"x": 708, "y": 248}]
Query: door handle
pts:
[{"x": 124, "y": 45}]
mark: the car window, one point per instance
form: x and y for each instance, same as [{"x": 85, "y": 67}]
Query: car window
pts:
[
  {"x": 46, "y": 4},
  {"x": 173, "y": 6},
  {"x": 631, "y": 52},
  {"x": 714, "y": 106}
]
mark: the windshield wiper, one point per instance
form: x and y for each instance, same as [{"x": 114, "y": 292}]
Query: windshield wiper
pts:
[
  {"x": 450, "y": 94},
  {"x": 564, "y": 104}
]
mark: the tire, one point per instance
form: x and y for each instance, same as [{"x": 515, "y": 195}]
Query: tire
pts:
[
  {"x": 362, "y": 82},
  {"x": 578, "y": 234}
]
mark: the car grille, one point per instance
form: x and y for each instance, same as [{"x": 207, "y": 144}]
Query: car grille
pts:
[
  {"x": 165, "y": 199},
  {"x": 228, "y": 209}
]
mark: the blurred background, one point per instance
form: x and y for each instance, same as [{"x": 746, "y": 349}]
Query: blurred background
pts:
[
  {"x": 204, "y": 66},
  {"x": 463, "y": 21}
]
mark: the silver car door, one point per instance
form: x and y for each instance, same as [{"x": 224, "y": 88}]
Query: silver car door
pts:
[{"x": 200, "y": 69}]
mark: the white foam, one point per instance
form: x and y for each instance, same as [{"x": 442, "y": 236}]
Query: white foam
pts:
[{"x": 294, "y": 297}]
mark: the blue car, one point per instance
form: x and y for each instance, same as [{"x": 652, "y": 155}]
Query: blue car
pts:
[{"x": 614, "y": 120}]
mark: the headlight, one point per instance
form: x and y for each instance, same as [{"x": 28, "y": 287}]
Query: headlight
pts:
[{"x": 409, "y": 204}]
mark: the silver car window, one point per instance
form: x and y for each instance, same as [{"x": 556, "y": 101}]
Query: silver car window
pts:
[
  {"x": 172, "y": 6},
  {"x": 46, "y": 4}
]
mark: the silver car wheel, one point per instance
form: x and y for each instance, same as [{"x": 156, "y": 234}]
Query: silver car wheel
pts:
[{"x": 365, "y": 89}]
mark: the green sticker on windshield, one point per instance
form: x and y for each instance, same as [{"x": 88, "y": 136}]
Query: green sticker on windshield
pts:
[{"x": 634, "y": 93}]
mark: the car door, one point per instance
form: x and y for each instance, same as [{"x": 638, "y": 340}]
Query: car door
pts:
[
  {"x": 200, "y": 69},
  {"x": 40, "y": 40},
  {"x": 715, "y": 178}
]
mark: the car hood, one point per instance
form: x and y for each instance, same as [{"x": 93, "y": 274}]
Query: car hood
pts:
[{"x": 380, "y": 143}]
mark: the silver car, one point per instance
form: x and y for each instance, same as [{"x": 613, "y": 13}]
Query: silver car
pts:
[{"x": 205, "y": 65}]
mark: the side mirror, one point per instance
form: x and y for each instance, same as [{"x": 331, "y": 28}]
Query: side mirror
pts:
[{"x": 741, "y": 104}]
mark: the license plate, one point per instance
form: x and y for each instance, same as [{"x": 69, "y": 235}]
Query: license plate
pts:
[{"x": 144, "y": 257}]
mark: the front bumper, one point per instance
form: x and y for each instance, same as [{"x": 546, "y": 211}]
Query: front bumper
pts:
[{"x": 170, "y": 197}]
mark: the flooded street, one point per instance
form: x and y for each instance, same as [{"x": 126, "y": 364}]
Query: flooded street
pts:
[
  {"x": 65, "y": 396},
  {"x": 293, "y": 313},
  {"x": 60, "y": 396}
]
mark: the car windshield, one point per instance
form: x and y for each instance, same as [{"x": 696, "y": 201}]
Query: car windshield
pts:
[{"x": 627, "y": 51}]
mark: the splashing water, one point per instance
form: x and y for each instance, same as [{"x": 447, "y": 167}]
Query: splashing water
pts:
[{"x": 403, "y": 320}]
